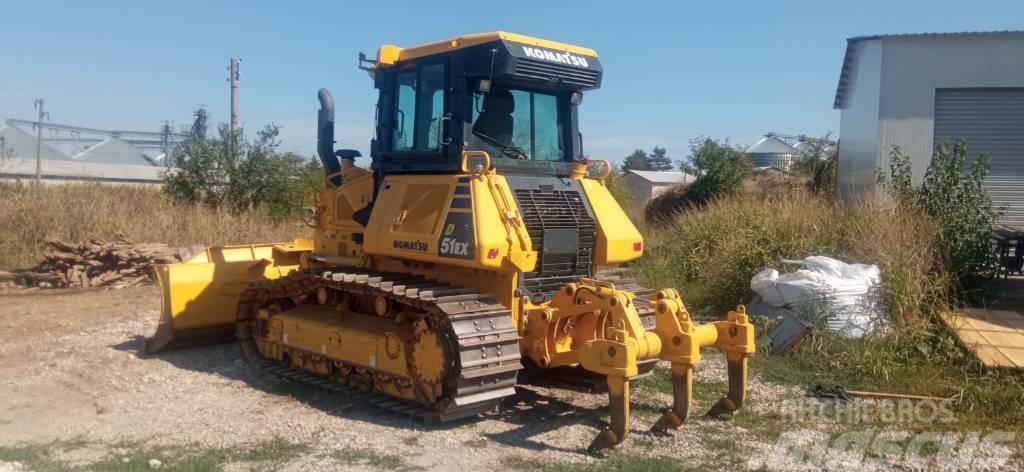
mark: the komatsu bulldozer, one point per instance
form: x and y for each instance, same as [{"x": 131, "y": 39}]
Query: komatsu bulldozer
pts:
[{"x": 478, "y": 241}]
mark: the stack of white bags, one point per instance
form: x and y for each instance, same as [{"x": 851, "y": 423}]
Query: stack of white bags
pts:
[{"x": 844, "y": 294}]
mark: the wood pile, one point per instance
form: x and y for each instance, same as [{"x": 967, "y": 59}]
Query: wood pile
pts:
[{"x": 97, "y": 263}]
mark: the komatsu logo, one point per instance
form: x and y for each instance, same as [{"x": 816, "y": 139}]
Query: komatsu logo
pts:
[
  {"x": 562, "y": 57},
  {"x": 411, "y": 245}
]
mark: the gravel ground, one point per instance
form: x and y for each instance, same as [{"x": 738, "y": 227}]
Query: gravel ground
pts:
[{"x": 70, "y": 371}]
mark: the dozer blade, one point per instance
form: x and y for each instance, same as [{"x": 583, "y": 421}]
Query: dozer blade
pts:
[{"x": 200, "y": 295}]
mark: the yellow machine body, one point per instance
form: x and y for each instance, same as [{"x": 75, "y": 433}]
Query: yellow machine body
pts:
[{"x": 339, "y": 309}]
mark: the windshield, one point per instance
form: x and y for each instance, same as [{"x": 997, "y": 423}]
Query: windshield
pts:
[{"x": 517, "y": 124}]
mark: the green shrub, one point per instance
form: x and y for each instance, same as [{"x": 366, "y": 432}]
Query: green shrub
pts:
[
  {"x": 719, "y": 168},
  {"x": 819, "y": 165},
  {"x": 243, "y": 175},
  {"x": 954, "y": 196}
]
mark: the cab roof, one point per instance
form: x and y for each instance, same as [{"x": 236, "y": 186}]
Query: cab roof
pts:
[{"x": 390, "y": 54}]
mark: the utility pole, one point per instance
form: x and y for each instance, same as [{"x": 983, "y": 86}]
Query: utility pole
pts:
[
  {"x": 234, "y": 94},
  {"x": 39, "y": 140},
  {"x": 233, "y": 67}
]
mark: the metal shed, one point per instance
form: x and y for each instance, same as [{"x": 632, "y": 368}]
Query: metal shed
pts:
[
  {"x": 918, "y": 90},
  {"x": 645, "y": 185}
]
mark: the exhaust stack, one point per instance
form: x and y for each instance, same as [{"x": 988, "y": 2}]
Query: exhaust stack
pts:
[{"x": 325, "y": 137}]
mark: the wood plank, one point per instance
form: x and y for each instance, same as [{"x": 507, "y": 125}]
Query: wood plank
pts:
[{"x": 995, "y": 336}]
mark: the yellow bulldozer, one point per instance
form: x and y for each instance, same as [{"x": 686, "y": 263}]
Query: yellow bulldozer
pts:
[{"x": 479, "y": 241}]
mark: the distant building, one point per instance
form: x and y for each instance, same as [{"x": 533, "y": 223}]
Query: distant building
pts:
[
  {"x": 645, "y": 185},
  {"x": 771, "y": 152},
  {"x": 114, "y": 151},
  {"x": 918, "y": 90},
  {"x": 65, "y": 171},
  {"x": 15, "y": 143},
  {"x": 112, "y": 161}
]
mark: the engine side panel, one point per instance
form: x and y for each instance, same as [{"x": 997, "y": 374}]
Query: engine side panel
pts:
[
  {"x": 336, "y": 235},
  {"x": 458, "y": 220},
  {"x": 618, "y": 240}
]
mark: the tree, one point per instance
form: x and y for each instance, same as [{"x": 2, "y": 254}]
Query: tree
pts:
[
  {"x": 636, "y": 161},
  {"x": 719, "y": 169},
  {"x": 659, "y": 160},
  {"x": 243, "y": 175}
]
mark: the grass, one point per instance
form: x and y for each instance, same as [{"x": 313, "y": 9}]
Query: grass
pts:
[
  {"x": 134, "y": 457},
  {"x": 479, "y": 443},
  {"x": 373, "y": 459},
  {"x": 897, "y": 363},
  {"x": 614, "y": 462},
  {"x": 79, "y": 212},
  {"x": 711, "y": 253}
]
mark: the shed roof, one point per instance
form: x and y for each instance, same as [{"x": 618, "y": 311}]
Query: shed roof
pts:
[
  {"x": 663, "y": 177},
  {"x": 23, "y": 145},
  {"x": 72, "y": 170},
  {"x": 851, "y": 44},
  {"x": 114, "y": 151},
  {"x": 770, "y": 145}
]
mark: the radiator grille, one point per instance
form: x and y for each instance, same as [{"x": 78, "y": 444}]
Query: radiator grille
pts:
[
  {"x": 554, "y": 210},
  {"x": 550, "y": 72}
]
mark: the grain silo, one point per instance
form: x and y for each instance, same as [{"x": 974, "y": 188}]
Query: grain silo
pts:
[{"x": 770, "y": 151}]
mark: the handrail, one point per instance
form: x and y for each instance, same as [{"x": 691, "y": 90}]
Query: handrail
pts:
[
  {"x": 607, "y": 168},
  {"x": 467, "y": 155}
]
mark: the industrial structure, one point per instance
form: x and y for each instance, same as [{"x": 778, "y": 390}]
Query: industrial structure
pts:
[
  {"x": 70, "y": 153},
  {"x": 771, "y": 152},
  {"x": 780, "y": 151},
  {"x": 646, "y": 185},
  {"x": 916, "y": 91},
  {"x": 67, "y": 171},
  {"x": 155, "y": 145}
]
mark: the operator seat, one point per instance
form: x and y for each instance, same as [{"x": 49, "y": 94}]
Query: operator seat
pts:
[{"x": 496, "y": 120}]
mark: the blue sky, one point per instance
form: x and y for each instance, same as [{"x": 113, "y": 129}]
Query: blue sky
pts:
[{"x": 673, "y": 70}]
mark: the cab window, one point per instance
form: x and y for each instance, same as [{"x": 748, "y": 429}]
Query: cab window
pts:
[
  {"x": 419, "y": 106},
  {"x": 518, "y": 124}
]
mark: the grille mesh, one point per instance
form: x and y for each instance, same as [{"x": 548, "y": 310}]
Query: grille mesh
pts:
[
  {"x": 552, "y": 210},
  {"x": 549, "y": 72}
]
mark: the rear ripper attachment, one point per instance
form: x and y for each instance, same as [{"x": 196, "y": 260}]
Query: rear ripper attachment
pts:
[{"x": 596, "y": 325}]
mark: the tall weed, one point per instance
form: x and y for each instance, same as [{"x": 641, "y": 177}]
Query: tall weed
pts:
[{"x": 77, "y": 212}]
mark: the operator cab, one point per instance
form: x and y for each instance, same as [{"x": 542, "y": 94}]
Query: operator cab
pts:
[{"x": 512, "y": 96}]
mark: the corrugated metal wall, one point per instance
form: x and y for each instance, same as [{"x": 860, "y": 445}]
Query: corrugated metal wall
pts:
[
  {"x": 858, "y": 140},
  {"x": 771, "y": 159},
  {"x": 992, "y": 122}
]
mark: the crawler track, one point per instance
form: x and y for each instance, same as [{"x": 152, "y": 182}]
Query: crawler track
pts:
[{"x": 480, "y": 331}]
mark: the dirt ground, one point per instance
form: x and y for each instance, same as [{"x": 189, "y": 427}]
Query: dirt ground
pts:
[{"x": 72, "y": 381}]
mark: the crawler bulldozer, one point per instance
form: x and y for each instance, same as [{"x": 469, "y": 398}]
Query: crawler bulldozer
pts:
[{"x": 479, "y": 241}]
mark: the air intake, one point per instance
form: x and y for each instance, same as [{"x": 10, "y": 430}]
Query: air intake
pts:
[
  {"x": 550, "y": 72},
  {"x": 562, "y": 233}
]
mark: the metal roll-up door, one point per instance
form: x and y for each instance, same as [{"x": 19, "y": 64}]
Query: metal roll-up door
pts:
[{"x": 992, "y": 122}]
